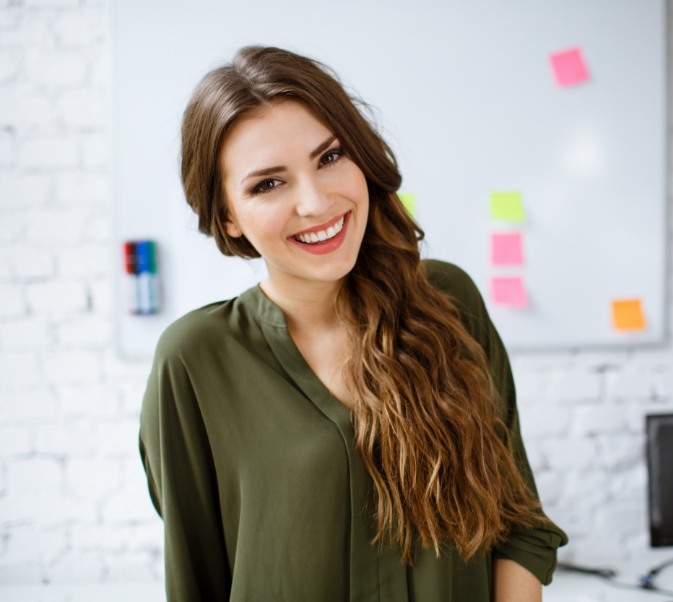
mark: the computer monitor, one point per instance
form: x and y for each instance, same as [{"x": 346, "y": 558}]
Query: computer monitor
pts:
[{"x": 659, "y": 429}]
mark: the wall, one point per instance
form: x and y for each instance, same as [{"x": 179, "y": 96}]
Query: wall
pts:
[{"x": 73, "y": 501}]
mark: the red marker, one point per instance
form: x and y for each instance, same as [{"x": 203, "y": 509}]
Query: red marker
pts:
[{"x": 131, "y": 283}]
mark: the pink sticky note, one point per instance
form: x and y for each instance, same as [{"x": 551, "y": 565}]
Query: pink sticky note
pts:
[
  {"x": 569, "y": 67},
  {"x": 509, "y": 291},
  {"x": 507, "y": 249}
]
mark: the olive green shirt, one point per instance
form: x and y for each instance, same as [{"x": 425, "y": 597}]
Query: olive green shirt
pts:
[{"x": 251, "y": 463}]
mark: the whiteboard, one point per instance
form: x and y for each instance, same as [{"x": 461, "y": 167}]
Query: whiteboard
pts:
[{"x": 465, "y": 95}]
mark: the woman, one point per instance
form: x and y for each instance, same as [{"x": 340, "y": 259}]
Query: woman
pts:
[{"x": 346, "y": 430}]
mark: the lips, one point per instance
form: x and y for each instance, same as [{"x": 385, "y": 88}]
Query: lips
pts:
[
  {"x": 322, "y": 233},
  {"x": 325, "y": 238}
]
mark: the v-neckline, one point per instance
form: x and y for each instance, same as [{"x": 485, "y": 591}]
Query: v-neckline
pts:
[
  {"x": 375, "y": 571},
  {"x": 277, "y": 334}
]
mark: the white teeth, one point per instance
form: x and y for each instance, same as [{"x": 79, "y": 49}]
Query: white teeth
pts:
[{"x": 322, "y": 235}]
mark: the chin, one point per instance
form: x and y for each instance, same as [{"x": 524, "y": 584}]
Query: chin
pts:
[{"x": 336, "y": 274}]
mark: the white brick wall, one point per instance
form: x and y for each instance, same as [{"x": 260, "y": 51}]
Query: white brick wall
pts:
[{"x": 73, "y": 499}]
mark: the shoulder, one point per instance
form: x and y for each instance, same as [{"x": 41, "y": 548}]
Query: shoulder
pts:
[
  {"x": 448, "y": 276},
  {"x": 465, "y": 295},
  {"x": 461, "y": 290},
  {"x": 459, "y": 286},
  {"x": 198, "y": 329}
]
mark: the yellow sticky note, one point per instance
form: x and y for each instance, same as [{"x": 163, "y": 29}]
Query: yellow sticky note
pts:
[
  {"x": 627, "y": 314},
  {"x": 507, "y": 206},
  {"x": 409, "y": 202}
]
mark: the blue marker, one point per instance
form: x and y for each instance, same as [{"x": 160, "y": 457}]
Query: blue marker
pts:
[{"x": 148, "y": 285}]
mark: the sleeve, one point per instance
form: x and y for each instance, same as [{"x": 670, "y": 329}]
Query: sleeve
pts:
[
  {"x": 181, "y": 477},
  {"x": 535, "y": 549}
]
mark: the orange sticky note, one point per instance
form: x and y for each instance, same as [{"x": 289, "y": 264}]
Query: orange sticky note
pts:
[
  {"x": 509, "y": 291},
  {"x": 569, "y": 67},
  {"x": 627, "y": 314},
  {"x": 507, "y": 249}
]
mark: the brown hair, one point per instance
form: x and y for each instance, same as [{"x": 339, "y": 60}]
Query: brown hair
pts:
[{"x": 426, "y": 414}]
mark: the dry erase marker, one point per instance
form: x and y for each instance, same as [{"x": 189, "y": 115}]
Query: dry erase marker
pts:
[
  {"x": 154, "y": 276},
  {"x": 131, "y": 284},
  {"x": 147, "y": 277}
]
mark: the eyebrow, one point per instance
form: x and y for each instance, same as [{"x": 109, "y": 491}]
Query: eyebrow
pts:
[{"x": 266, "y": 171}]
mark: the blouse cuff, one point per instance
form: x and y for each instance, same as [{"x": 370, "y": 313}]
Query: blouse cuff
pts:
[{"x": 535, "y": 550}]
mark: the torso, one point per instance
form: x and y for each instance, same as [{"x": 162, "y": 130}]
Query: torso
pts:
[{"x": 290, "y": 497}]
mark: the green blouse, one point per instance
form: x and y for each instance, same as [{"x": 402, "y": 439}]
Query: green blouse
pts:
[{"x": 250, "y": 461}]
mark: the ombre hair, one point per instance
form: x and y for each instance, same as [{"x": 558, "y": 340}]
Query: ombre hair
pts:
[{"x": 429, "y": 422}]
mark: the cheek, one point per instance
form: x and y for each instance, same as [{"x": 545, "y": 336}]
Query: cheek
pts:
[
  {"x": 263, "y": 223},
  {"x": 355, "y": 185},
  {"x": 362, "y": 191}
]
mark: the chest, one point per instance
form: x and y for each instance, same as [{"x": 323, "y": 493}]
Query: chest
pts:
[{"x": 326, "y": 354}]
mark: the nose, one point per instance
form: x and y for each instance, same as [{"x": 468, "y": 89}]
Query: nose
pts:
[{"x": 313, "y": 199}]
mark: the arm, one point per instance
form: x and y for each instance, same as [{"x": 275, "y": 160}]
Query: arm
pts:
[
  {"x": 513, "y": 583},
  {"x": 528, "y": 558},
  {"x": 533, "y": 550},
  {"x": 181, "y": 476}
]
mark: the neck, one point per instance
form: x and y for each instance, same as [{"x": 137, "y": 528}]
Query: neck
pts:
[{"x": 308, "y": 306}]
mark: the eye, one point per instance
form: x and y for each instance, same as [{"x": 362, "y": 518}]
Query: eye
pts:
[
  {"x": 266, "y": 185},
  {"x": 332, "y": 156}
]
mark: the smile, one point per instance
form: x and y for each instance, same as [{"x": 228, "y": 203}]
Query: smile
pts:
[{"x": 320, "y": 236}]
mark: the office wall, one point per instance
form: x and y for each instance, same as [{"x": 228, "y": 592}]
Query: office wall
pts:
[{"x": 73, "y": 501}]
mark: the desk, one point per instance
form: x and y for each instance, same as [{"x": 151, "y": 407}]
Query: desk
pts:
[
  {"x": 567, "y": 587},
  {"x": 575, "y": 587}
]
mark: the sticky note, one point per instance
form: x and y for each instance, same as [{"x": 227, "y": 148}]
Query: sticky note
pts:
[
  {"x": 627, "y": 314},
  {"x": 507, "y": 249},
  {"x": 569, "y": 67},
  {"x": 507, "y": 206},
  {"x": 509, "y": 291},
  {"x": 409, "y": 202}
]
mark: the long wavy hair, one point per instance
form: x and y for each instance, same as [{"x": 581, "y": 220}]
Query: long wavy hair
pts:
[{"x": 427, "y": 417}]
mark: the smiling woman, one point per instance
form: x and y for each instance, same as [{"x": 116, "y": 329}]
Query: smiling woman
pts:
[{"x": 346, "y": 430}]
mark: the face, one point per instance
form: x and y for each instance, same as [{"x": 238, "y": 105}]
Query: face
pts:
[{"x": 292, "y": 191}]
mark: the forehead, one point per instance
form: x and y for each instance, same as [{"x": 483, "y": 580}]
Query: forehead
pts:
[{"x": 270, "y": 133}]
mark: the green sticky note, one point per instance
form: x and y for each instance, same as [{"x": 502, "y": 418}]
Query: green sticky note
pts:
[
  {"x": 507, "y": 207},
  {"x": 409, "y": 202}
]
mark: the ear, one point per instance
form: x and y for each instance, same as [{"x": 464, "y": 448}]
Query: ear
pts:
[{"x": 232, "y": 229}]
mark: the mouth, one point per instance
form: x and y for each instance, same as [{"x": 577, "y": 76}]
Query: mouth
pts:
[{"x": 324, "y": 235}]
